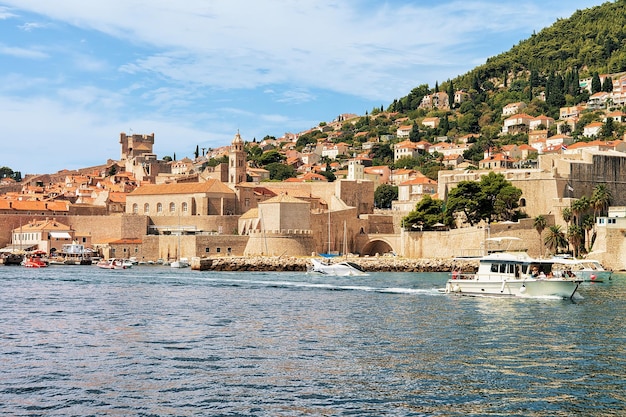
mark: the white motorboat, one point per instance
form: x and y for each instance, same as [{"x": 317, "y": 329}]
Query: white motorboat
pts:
[
  {"x": 342, "y": 268},
  {"x": 113, "y": 263},
  {"x": 514, "y": 275}
]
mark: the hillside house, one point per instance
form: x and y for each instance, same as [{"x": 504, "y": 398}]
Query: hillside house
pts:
[
  {"x": 539, "y": 121},
  {"x": 592, "y": 129},
  {"x": 513, "y": 108},
  {"x": 432, "y": 122},
  {"x": 518, "y": 123},
  {"x": 496, "y": 161}
]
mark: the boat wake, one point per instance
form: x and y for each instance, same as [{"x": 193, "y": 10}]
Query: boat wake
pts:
[{"x": 320, "y": 286}]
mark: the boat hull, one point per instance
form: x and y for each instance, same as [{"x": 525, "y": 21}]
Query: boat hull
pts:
[
  {"x": 342, "y": 269},
  {"x": 515, "y": 288}
]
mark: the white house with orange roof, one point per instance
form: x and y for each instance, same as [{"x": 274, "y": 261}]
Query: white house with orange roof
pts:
[
  {"x": 449, "y": 149},
  {"x": 571, "y": 111},
  {"x": 592, "y": 129},
  {"x": 452, "y": 160},
  {"x": 597, "y": 145},
  {"x": 404, "y": 131},
  {"x": 405, "y": 149},
  {"x": 496, "y": 161},
  {"x": 541, "y": 120},
  {"x": 332, "y": 150},
  {"x": 513, "y": 108},
  {"x": 598, "y": 100},
  {"x": 517, "y": 123},
  {"x": 618, "y": 116},
  {"x": 47, "y": 235},
  {"x": 559, "y": 141},
  {"x": 432, "y": 122},
  {"x": 398, "y": 176},
  {"x": 410, "y": 192}
]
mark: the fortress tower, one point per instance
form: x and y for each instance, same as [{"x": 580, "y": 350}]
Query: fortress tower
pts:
[{"x": 136, "y": 145}]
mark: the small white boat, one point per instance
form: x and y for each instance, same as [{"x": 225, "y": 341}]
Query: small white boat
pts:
[
  {"x": 181, "y": 263},
  {"x": 514, "y": 275},
  {"x": 342, "y": 268},
  {"x": 113, "y": 263}
]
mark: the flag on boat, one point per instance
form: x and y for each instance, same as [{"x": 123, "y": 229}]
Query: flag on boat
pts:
[{"x": 563, "y": 147}]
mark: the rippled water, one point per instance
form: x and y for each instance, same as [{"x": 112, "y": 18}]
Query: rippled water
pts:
[{"x": 78, "y": 341}]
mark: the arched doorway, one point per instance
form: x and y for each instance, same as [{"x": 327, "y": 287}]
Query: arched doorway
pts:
[{"x": 374, "y": 247}]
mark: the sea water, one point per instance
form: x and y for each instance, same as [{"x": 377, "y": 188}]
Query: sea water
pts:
[{"x": 152, "y": 341}]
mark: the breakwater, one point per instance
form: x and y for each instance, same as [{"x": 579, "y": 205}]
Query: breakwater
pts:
[{"x": 375, "y": 264}]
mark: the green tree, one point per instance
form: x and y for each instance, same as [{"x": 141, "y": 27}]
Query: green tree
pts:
[
  {"x": 575, "y": 238},
  {"x": 555, "y": 239},
  {"x": 607, "y": 85},
  {"x": 462, "y": 200},
  {"x": 197, "y": 152},
  {"x": 384, "y": 195},
  {"x": 414, "y": 134},
  {"x": 270, "y": 157},
  {"x": 596, "y": 84},
  {"x": 608, "y": 129},
  {"x": 601, "y": 199},
  {"x": 579, "y": 207},
  {"x": 540, "y": 224},
  {"x": 427, "y": 213},
  {"x": 280, "y": 172},
  {"x": 588, "y": 224}
]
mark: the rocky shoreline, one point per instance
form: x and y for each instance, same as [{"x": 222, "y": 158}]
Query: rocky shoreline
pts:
[{"x": 377, "y": 264}]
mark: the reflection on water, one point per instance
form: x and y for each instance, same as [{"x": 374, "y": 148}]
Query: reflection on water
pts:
[{"x": 80, "y": 341}]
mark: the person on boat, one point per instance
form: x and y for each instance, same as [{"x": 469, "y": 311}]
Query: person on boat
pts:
[
  {"x": 550, "y": 275},
  {"x": 541, "y": 275},
  {"x": 534, "y": 272}
]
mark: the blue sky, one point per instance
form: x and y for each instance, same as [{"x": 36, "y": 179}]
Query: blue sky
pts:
[{"x": 75, "y": 73}]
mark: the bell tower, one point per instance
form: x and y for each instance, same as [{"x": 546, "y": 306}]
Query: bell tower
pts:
[{"x": 237, "y": 161}]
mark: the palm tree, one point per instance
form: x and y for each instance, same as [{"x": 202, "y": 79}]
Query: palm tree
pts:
[
  {"x": 588, "y": 224},
  {"x": 540, "y": 224},
  {"x": 600, "y": 199},
  {"x": 555, "y": 239},
  {"x": 567, "y": 214},
  {"x": 579, "y": 207},
  {"x": 575, "y": 237}
]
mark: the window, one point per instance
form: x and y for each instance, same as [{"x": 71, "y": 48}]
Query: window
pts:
[
  {"x": 218, "y": 250},
  {"x": 184, "y": 207},
  {"x": 206, "y": 250},
  {"x": 172, "y": 207},
  {"x": 146, "y": 208},
  {"x": 135, "y": 208},
  {"x": 159, "y": 208}
]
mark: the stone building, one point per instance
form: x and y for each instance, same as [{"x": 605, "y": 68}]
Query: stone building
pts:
[{"x": 187, "y": 199}]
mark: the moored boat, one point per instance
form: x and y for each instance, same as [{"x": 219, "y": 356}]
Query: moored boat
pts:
[
  {"x": 113, "y": 263},
  {"x": 35, "y": 260},
  {"x": 514, "y": 275}
]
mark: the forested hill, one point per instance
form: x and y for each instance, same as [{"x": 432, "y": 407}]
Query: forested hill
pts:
[{"x": 592, "y": 40}]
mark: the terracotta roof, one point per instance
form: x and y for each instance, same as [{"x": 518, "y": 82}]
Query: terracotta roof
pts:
[
  {"x": 211, "y": 186},
  {"x": 283, "y": 198}
]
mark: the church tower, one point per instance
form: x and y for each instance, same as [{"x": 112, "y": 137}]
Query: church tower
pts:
[{"x": 237, "y": 161}]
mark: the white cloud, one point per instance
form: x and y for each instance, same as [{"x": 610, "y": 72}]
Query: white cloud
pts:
[
  {"x": 22, "y": 52},
  {"x": 376, "y": 52}
]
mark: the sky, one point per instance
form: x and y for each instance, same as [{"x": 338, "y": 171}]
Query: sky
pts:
[{"x": 75, "y": 74}]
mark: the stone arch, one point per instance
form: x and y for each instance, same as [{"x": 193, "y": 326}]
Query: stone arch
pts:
[{"x": 377, "y": 246}]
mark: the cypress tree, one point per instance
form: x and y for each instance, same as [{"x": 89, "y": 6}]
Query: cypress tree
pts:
[{"x": 596, "y": 85}]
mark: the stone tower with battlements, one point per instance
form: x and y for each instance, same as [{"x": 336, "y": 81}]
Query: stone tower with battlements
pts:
[{"x": 136, "y": 145}]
